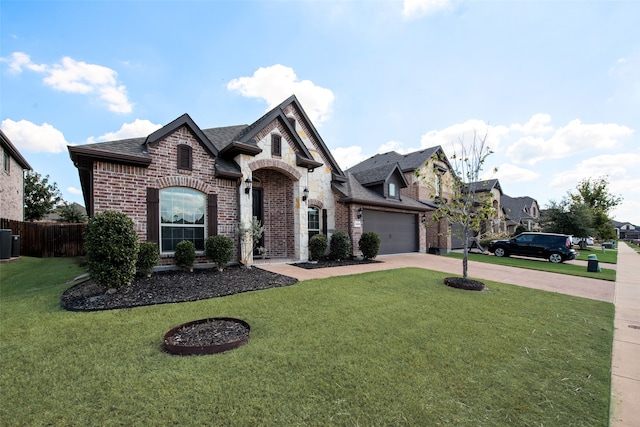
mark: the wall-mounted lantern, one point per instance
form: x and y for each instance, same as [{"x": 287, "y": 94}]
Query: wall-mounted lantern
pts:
[
  {"x": 305, "y": 194},
  {"x": 247, "y": 186},
  {"x": 360, "y": 213}
]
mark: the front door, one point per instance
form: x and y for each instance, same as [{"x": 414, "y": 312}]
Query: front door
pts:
[{"x": 258, "y": 210}]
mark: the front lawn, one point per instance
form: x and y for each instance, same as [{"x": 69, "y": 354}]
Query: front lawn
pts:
[
  {"x": 610, "y": 256},
  {"x": 541, "y": 265},
  {"x": 387, "y": 348}
]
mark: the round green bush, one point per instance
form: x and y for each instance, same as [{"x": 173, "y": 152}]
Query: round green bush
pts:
[
  {"x": 185, "y": 254},
  {"x": 219, "y": 249},
  {"x": 148, "y": 257},
  {"x": 340, "y": 246},
  {"x": 317, "y": 246},
  {"x": 369, "y": 245},
  {"x": 111, "y": 244}
]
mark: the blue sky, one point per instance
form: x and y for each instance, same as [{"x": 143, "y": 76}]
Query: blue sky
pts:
[{"x": 555, "y": 85}]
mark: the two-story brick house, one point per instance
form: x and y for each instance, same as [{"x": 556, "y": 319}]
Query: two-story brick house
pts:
[
  {"x": 12, "y": 180},
  {"x": 394, "y": 195},
  {"x": 184, "y": 182}
]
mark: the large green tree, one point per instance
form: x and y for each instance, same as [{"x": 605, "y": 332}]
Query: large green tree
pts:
[
  {"x": 596, "y": 196},
  {"x": 584, "y": 212},
  {"x": 40, "y": 196}
]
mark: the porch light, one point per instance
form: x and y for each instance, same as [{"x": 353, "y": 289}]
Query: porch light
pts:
[
  {"x": 305, "y": 194},
  {"x": 360, "y": 213},
  {"x": 247, "y": 186}
]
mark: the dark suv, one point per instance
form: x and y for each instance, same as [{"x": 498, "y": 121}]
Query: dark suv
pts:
[{"x": 554, "y": 247}]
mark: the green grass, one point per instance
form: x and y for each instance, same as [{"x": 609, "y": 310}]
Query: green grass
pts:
[
  {"x": 541, "y": 265},
  {"x": 610, "y": 256},
  {"x": 386, "y": 348}
]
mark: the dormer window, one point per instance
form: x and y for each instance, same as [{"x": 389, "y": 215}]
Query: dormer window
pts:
[
  {"x": 276, "y": 145},
  {"x": 392, "y": 190},
  {"x": 184, "y": 157}
]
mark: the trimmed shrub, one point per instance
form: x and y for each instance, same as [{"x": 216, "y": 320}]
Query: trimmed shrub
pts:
[
  {"x": 369, "y": 244},
  {"x": 317, "y": 246},
  {"x": 219, "y": 249},
  {"x": 340, "y": 246},
  {"x": 185, "y": 254},
  {"x": 111, "y": 245},
  {"x": 148, "y": 257}
]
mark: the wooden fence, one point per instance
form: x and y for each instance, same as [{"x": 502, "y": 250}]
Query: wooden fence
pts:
[{"x": 46, "y": 239}]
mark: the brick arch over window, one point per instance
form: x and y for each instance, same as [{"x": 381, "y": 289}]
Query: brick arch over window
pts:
[
  {"x": 316, "y": 203},
  {"x": 283, "y": 167},
  {"x": 183, "y": 181},
  {"x": 153, "y": 204}
]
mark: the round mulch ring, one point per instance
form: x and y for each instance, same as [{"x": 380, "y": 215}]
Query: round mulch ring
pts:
[
  {"x": 206, "y": 336},
  {"x": 466, "y": 284}
]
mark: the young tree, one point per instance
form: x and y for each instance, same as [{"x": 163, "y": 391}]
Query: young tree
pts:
[
  {"x": 467, "y": 208},
  {"x": 40, "y": 196}
]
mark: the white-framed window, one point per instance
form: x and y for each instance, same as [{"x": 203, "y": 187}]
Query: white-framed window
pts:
[
  {"x": 392, "y": 190},
  {"x": 182, "y": 217},
  {"x": 313, "y": 219}
]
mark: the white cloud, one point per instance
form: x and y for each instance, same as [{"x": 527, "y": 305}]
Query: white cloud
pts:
[
  {"x": 537, "y": 124},
  {"x": 419, "y": 8},
  {"x": 512, "y": 174},
  {"x": 74, "y": 190},
  {"x": 78, "y": 77},
  {"x": 276, "y": 83},
  {"x": 33, "y": 138},
  {"x": 575, "y": 137},
  {"x": 449, "y": 138},
  {"x": 624, "y": 74},
  {"x": 392, "y": 146},
  {"x": 348, "y": 156},
  {"x": 617, "y": 167},
  {"x": 135, "y": 129}
]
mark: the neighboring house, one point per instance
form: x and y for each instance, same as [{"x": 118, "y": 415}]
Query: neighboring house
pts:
[
  {"x": 520, "y": 211},
  {"x": 54, "y": 216},
  {"x": 184, "y": 182},
  {"x": 12, "y": 181},
  {"x": 626, "y": 230},
  {"x": 487, "y": 189},
  {"x": 383, "y": 194}
]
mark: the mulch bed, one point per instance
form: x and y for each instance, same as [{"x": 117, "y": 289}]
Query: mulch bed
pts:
[
  {"x": 466, "y": 284},
  {"x": 211, "y": 332},
  {"x": 172, "y": 287},
  {"x": 332, "y": 263}
]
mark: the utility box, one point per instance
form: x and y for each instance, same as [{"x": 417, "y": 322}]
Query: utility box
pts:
[
  {"x": 5, "y": 243},
  {"x": 593, "y": 265},
  {"x": 15, "y": 246}
]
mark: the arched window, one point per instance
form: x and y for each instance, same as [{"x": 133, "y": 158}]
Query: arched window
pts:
[
  {"x": 313, "y": 218},
  {"x": 182, "y": 217}
]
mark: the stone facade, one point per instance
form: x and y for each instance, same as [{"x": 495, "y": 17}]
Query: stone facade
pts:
[{"x": 11, "y": 183}]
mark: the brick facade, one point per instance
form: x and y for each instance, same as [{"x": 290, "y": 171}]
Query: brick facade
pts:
[{"x": 124, "y": 188}]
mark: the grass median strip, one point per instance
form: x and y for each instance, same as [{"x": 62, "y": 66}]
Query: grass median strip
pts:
[
  {"x": 384, "y": 348},
  {"x": 541, "y": 265}
]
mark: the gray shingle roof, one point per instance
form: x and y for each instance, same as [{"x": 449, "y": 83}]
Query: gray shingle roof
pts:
[
  {"x": 408, "y": 162},
  {"x": 354, "y": 192},
  {"x": 514, "y": 207}
]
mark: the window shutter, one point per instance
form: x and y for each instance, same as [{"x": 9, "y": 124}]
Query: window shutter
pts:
[
  {"x": 184, "y": 157},
  {"x": 212, "y": 215},
  {"x": 324, "y": 222},
  {"x": 153, "y": 215}
]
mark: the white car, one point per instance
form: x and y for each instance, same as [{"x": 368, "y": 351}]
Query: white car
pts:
[{"x": 577, "y": 240}]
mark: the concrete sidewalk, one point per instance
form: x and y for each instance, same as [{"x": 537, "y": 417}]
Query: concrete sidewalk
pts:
[{"x": 625, "y": 294}]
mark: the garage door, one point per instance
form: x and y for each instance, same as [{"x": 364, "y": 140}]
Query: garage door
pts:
[{"x": 398, "y": 231}]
